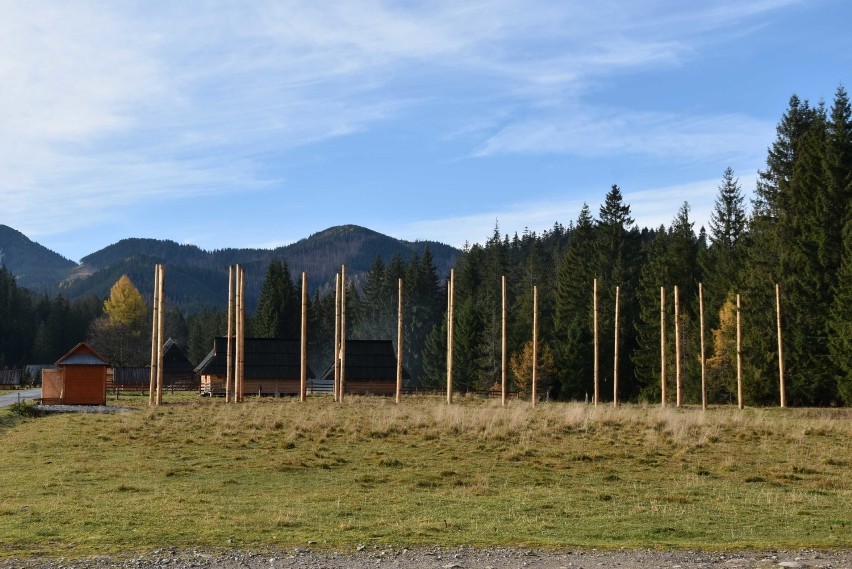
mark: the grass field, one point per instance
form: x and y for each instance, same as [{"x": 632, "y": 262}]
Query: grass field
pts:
[{"x": 278, "y": 472}]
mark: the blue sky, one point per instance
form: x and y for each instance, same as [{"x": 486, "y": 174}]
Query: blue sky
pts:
[{"x": 254, "y": 124}]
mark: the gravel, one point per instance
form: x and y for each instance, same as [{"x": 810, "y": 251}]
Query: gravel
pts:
[
  {"x": 82, "y": 409},
  {"x": 361, "y": 557}
]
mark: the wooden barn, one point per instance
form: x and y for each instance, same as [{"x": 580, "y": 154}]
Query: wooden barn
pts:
[
  {"x": 79, "y": 378},
  {"x": 370, "y": 368},
  {"x": 272, "y": 367}
]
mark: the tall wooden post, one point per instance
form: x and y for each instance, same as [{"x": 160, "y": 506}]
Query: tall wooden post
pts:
[
  {"x": 303, "y": 368},
  {"x": 161, "y": 321},
  {"x": 229, "y": 372},
  {"x": 342, "y": 386},
  {"x": 399, "y": 345},
  {"x": 336, "y": 386},
  {"x": 739, "y": 357},
  {"x": 703, "y": 361},
  {"x": 238, "y": 371},
  {"x": 678, "y": 377},
  {"x": 450, "y": 336},
  {"x": 597, "y": 348},
  {"x": 780, "y": 346},
  {"x": 535, "y": 346},
  {"x": 503, "y": 347},
  {"x": 154, "y": 328},
  {"x": 615, "y": 356},
  {"x": 663, "y": 346}
]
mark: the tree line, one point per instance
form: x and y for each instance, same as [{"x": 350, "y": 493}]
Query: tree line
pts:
[{"x": 797, "y": 232}]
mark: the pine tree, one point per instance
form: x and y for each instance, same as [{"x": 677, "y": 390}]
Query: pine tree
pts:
[
  {"x": 767, "y": 237},
  {"x": 646, "y": 357},
  {"x": 278, "y": 308},
  {"x": 573, "y": 334},
  {"x": 840, "y": 323},
  {"x": 722, "y": 263},
  {"x": 617, "y": 264}
]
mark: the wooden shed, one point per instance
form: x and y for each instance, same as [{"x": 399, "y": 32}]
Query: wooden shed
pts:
[
  {"x": 272, "y": 367},
  {"x": 79, "y": 378},
  {"x": 370, "y": 368}
]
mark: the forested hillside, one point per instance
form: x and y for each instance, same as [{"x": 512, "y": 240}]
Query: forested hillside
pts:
[
  {"x": 35, "y": 266},
  {"x": 796, "y": 232}
]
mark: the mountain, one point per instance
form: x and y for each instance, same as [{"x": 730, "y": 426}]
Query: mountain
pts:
[
  {"x": 196, "y": 278},
  {"x": 35, "y": 267}
]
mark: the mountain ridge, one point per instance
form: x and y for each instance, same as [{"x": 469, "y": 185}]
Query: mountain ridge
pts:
[{"x": 193, "y": 274}]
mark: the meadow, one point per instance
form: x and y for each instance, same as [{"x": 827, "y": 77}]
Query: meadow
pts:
[{"x": 276, "y": 472}]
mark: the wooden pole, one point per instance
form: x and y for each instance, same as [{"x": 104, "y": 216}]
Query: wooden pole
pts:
[
  {"x": 303, "y": 368},
  {"x": 229, "y": 372},
  {"x": 399, "y": 345},
  {"x": 662, "y": 346},
  {"x": 503, "y": 347},
  {"x": 450, "y": 337},
  {"x": 615, "y": 356},
  {"x": 703, "y": 361},
  {"x": 161, "y": 321},
  {"x": 678, "y": 377},
  {"x": 780, "y": 346},
  {"x": 238, "y": 322},
  {"x": 242, "y": 333},
  {"x": 739, "y": 357},
  {"x": 597, "y": 347},
  {"x": 154, "y": 307},
  {"x": 342, "y": 332},
  {"x": 336, "y": 385},
  {"x": 535, "y": 346}
]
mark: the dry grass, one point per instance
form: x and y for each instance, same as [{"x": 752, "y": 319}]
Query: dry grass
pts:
[{"x": 277, "y": 472}]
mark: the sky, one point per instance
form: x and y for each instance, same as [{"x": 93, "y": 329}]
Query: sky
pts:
[{"x": 257, "y": 123}]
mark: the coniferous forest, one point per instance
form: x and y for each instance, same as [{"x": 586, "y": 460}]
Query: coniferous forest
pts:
[{"x": 796, "y": 232}]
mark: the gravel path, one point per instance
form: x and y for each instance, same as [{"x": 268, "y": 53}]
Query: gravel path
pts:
[{"x": 452, "y": 558}]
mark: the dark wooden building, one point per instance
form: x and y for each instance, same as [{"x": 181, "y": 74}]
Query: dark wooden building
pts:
[
  {"x": 80, "y": 378},
  {"x": 272, "y": 367},
  {"x": 370, "y": 368},
  {"x": 178, "y": 373}
]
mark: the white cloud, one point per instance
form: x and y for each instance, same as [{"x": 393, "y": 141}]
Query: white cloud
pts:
[
  {"x": 602, "y": 132},
  {"x": 110, "y": 105}
]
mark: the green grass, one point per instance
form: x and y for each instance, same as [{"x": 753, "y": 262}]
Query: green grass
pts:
[{"x": 277, "y": 472}]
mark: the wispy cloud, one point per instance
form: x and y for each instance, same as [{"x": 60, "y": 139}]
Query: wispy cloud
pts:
[
  {"x": 595, "y": 132},
  {"x": 110, "y": 105}
]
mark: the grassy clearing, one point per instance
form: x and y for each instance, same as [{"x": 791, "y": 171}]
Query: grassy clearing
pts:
[{"x": 277, "y": 472}]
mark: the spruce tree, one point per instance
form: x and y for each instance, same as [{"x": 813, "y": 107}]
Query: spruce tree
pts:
[
  {"x": 573, "y": 333},
  {"x": 278, "y": 308},
  {"x": 617, "y": 252}
]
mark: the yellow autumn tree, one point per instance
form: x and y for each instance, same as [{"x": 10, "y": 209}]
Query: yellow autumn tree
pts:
[
  {"x": 125, "y": 305},
  {"x": 521, "y": 366},
  {"x": 722, "y": 366}
]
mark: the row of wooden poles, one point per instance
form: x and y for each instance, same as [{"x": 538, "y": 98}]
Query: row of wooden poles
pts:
[
  {"x": 596, "y": 378},
  {"x": 235, "y": 358}
]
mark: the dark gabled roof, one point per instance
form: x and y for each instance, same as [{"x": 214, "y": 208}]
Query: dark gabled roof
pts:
[
  {"x": 271, "y": 358},
  {"x": 82, "y": 355},
  {"x": 369, "y": 359},
  {"x": 174, "y": 360}
]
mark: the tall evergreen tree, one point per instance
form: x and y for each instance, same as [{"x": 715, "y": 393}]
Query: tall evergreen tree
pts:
[
  {"x": 573, "y": 334},
  {"x": 617, "y": 265},
  {"x": 278, "y": 308},
  {"x": 722, "y": 264}
]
